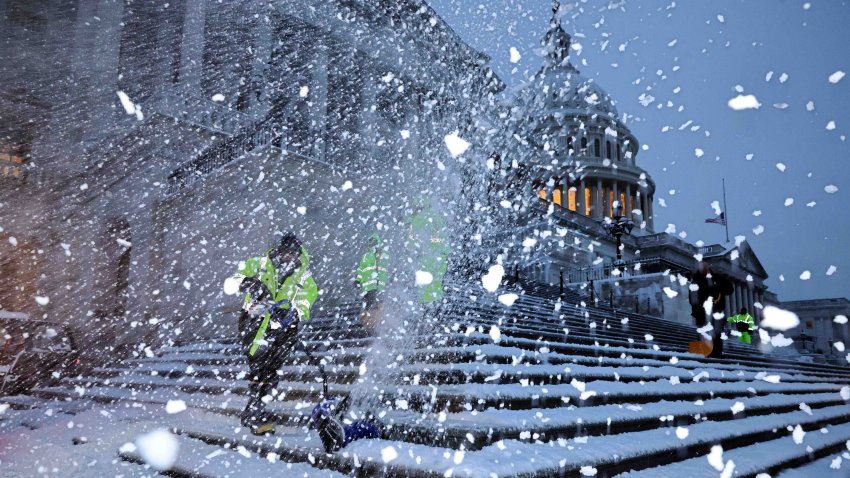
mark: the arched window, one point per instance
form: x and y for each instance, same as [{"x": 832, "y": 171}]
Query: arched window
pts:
[
  {"x": 570, "y": 145},
  {"x": 571, "y": 199},
  {"x": 584, "y": 145},
  {"x": 556, "y": 195},
  {"x": 542, "y": 194},
  {"x": 597, "y": 149},
  {"x": 619, "y": 153},
  {"x": 608, "y": 150}
]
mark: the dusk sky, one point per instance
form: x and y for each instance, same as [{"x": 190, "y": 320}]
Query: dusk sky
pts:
[{"x": 692, "y": 58}]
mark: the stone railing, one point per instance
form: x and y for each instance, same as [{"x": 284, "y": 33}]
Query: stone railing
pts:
[
  {"x": 201, "y": 111},
  {"x": 221, "y": 154},
  {"x": 623, "y": 270}
]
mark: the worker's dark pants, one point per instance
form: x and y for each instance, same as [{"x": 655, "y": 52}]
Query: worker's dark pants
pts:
[
  {"x": 717, "y": 339},
  {"x": 701, "y": 319},
  {"x": 263, "y": 366}
]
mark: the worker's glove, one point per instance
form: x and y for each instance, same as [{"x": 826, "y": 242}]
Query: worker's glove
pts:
[{"x": 257, "y": 309}]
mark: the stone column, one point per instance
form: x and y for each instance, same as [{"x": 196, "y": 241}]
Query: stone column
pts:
[
  {"x": 599, "y": 205},
  {"x": 739, "y": 298},
  {"x": 192, "y": 47},
  {"x": 319, "y": 99},
  {"x": 651, "y": 218},
  {"x": 751, "y": 306},
  {"x": 103, "y": 66},
  {"x": 606, "y": 201},
  {"x": 262, "y": 43},
  {"x": 616, "y": 195},
  {"x": 730, "y": 301},
  {"x": 580, "y": 206},
  {"x": 368, "y": 115}
]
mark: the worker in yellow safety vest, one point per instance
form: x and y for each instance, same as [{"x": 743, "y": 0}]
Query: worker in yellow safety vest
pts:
[
  {"x": 279, "y": 292},
  {"x": 372, "y": 277},
  {"x": 428, "y": 244},
  {"x": 743, "y": 323}
]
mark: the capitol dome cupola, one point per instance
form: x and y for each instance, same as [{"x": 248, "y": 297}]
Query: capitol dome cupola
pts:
[{"x": 556, "y": 43}]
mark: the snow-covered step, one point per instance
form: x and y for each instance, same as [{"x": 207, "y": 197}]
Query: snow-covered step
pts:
[
  {"x": 835, "y": 465},
  {"x": 290, "y": 444},
  {"x": 501, "y": 373},
  {"x": 137, "y": 383},
  {"x": 513, "y": 396},
  {"x": 602, "y": 455},
  {"x": 227, "y": 403},
  {"x": 519, "y": 396},
  {"x": 490, "y": 425},
  {"x": 197, "y": 459},
  {"x": 491, "y": 352},
  {"x": 21, "y": 402},
  {"x": 767, "y": 457},
  {"x": 562, "y": 345}
]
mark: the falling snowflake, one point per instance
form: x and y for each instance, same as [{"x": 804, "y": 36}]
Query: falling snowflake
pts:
[
  {"x": 493, "y": 277},
  {"x": 744, "y": 102},
  {"x": 457, "y": 145},
  {"x": 515, "y": 56},
  {"x": 779, "y": 319}
]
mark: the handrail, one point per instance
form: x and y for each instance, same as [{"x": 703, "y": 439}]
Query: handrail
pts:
[{"x": 626, "y": 269}]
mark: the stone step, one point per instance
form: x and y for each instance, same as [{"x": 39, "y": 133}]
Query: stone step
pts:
[
  {"x": 456, "y": 398},
  {"x": 832, "y": 465},
  {"x": 477, "y": 429},
  {"x": 769, "y": 457},
  {"x": 197, "y": 459},
  {"x": 603, "y": 455},
  {"x": 523, "y": 339}
]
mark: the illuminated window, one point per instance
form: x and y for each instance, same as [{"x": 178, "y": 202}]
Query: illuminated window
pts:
[
  {"x": 542, "y": 194},
  {"x": 587, "y": 201},
  {"x": 623, "y": 204},
  {"x": 571, "y": 199},
  {"x": 634, "y": 206},
  {"x": 611, "y": 202},
  {"x": 556, "y": 196}
]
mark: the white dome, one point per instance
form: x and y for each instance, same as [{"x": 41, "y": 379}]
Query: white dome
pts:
[{"x": 564, "y": 88}]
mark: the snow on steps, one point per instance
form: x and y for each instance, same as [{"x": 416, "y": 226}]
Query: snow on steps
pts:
[
  {"x": 197, "y": 459},
  {"x": 609, "y": 454},
  {"x": 491, "y": 425},
  {"x": 769, "y": 457},
  {"x": 831, "y": 466},
  {"x": 632, "y": 377}
]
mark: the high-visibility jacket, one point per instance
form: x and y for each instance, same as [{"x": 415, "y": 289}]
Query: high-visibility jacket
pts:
[
  {"x": 298, "y": 289},
  {"x": 748, "y": 319},
  {"x": 427, "y": 239},
  {"x": 372, "y": 272}
]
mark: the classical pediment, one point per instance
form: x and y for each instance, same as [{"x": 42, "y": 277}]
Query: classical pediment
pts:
[{"x": 748, "y": 260}]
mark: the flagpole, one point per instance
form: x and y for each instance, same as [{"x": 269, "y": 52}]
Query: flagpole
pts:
[{"x": 725, "y": 211}]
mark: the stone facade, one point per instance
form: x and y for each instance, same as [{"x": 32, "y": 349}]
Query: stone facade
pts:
[
  {"x": 823, "y": 328},
  {"x": 247, "y": 118}
]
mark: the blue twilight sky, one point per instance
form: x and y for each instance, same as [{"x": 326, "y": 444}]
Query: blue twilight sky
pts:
[{"x": 690, "y": 56}]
